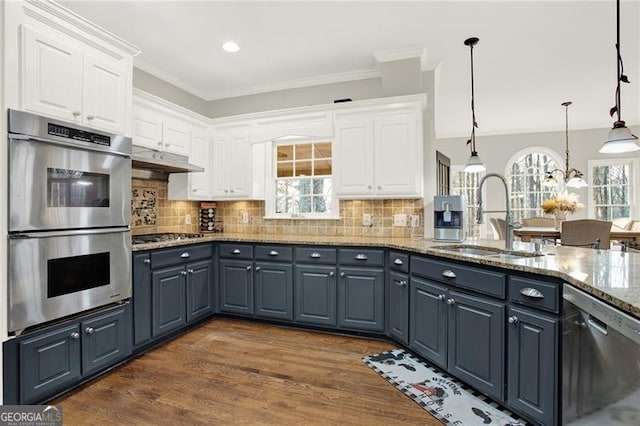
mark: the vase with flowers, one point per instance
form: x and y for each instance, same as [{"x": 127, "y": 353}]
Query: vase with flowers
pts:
[{"x": 560, "y": 205}]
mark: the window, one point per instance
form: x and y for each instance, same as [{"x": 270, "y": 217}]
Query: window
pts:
[
  {"x": 525, "y": 172},
  {"x": 466, "y": 184},
  {"x": 303, "y": 181},
  {"x": 612, "y": 185}
]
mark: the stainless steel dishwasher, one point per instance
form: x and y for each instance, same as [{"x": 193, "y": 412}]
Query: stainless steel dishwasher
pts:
[{"x": 600, "y": 362}]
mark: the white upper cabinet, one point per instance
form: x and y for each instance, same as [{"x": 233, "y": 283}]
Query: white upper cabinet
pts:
[
  {"x": 195, "y": 185},
  {"x": 176, "y": 136},
  {"x": 232, "y": 164},
  {"x": 147, "y": 127},
  {"x": 378, "y": 152},
  {"x": 62, "y": 66}
]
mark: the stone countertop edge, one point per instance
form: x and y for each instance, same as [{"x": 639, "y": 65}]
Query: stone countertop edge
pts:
[{"x": 610, "y": 275}]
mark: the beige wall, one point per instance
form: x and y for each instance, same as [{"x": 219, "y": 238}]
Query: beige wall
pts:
[{"x": 151, "y": 84}]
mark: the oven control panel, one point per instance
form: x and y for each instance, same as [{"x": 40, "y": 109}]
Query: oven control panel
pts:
[{"x": 78, "y": 135}]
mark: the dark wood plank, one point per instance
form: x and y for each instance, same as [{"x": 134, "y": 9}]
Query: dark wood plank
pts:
[{"x": 238, "y": 372}]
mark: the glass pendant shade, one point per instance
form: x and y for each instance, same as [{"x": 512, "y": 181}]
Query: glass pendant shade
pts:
[
  {"x": 576, "y": 182},
  {"x": 550, "y": 181},
  {"x": 620, "y": 139},
  {"x": 474, "y": 164}
]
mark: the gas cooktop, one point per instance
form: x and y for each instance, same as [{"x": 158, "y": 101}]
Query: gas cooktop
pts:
[{"x": 156, "y": 238}]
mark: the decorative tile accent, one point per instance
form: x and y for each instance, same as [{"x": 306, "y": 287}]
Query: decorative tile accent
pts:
[{"x": 144, "y": 206}]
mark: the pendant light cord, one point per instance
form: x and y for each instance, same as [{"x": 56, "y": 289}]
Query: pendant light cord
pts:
[
  {"x": 472, "y": 42},
  {"x": 620, "y": 66},
  {"x": 566, "y": 135}
]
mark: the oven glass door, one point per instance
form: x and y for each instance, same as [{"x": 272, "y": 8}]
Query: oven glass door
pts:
[
  {"x": 60, "y": 187},
  {"x": 55, "y": 274}
]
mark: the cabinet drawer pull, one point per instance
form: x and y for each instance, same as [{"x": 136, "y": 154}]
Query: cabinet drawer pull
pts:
[
  {"x": 451, "y": 301},
  {"x": 398, "y": 262},
  {"x": 360, "y": 257},
  {"x": 185, "y": 255},
  {"x": 183, "y": 272},
  {"x": 235, "y": 251},
  {"x": 147, "y": 261},
  {"x": 531, "y": 292},
  {"x": 331, "y": 274},
  {"x": 75, "y": 335},
  {"x": 76, "y": 113},
  {"x": 513, "y": 320},
  {"x": 448, "y": 273},
  {"x": 315, "y": 255},
  {"x": 273, "y": 253},
  {"x": 249, "y": 268},
  {"x": 404, "y": 283},
  {"x": 342, "y": 274},
  {"x": 440, "y": 297},
  {"x": 257, "y": 268},
  {"x": 90, "y": 117},
  {"x": 191, "y": 271},
  {"x": 89, "y": 330}
]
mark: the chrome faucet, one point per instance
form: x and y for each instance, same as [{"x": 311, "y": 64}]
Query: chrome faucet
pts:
[{"x": 508, "y": 239}]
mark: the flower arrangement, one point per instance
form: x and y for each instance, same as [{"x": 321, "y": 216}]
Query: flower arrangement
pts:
[{"x": 562, "y": 203}]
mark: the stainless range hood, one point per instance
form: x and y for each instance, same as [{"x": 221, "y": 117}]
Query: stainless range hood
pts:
[{"x": 160, "y": 161}]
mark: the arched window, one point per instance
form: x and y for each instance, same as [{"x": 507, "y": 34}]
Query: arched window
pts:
[{"x": 525, "y": 172}]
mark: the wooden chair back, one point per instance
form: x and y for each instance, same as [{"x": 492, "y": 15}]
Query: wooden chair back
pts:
[{"x": 584, "y": 232}]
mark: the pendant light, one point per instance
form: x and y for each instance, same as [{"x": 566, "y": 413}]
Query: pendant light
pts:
[
  {"x": 620, "y": 138},
  {"x": 573, "y": 177},
  {"x": 474, "y": 164}
]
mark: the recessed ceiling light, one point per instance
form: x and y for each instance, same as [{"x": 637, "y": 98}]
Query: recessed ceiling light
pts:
[{"x": 231, "y": 46}]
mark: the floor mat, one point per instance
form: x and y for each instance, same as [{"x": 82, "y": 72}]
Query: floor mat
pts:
[{"x": 444, "y": 397}]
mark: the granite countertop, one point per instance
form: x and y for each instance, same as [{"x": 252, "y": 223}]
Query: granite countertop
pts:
[{"x": 610, "y": 275}]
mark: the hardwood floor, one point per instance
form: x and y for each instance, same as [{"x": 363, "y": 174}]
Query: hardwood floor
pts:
[{"x": 238, "y": 372}]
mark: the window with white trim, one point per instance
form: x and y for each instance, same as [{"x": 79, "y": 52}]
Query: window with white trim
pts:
[
  {"x": 525, "y": 172},
  {"x": 612, "y": 185},
  {"x": 467, "y": 184},
  {"x": 302, "y": 181}
]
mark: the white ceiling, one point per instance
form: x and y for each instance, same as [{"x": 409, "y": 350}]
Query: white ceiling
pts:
[{"x": 532, "y": 56}]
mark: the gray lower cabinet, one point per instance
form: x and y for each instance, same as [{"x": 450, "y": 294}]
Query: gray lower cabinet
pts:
[
  {"x": 142, "y": 299},
  {"x": 428, "y": 324},
  {"x": 361, "y": 298},
  {"x": 169, "y": 305},
  {"x": 315, "y": 287},
  {"x": 199, "y": 290},
  {"x": 236, "y": 286},
  {"x": 59, "y": 357},
  {"x": 533, "y": 364},
  {"x": 274, "y": 290},
  {"x": 398, "y": 307}
]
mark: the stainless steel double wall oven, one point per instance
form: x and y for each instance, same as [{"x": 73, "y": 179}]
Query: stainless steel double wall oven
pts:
[{"x": 69, "y": 215}]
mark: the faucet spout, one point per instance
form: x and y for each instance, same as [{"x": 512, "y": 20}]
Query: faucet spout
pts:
[{"x": 508, "y": 239}]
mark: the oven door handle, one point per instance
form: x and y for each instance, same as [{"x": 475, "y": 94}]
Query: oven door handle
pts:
[
  {"x": 96, "y": 148},
  {"x": 69, "y": 233}
]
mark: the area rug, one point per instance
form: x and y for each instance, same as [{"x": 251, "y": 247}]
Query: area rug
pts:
[{"x": 445, "y": 398}]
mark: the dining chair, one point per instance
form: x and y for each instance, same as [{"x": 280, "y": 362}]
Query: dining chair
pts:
[
  {"x": 586, "y": 233},
  {"x": 539, "y": 221}
]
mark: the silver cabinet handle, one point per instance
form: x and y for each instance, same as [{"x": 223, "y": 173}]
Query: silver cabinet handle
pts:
[
  {"x": 273, "y": 253},
  {"x": 398, "y": 262},
  {"x": 368, "y": 186},
  {"x": 249, "y": 268},
  {"x": 146, "y": 261},
  {"x": 185, "y": 255},
  {"x": 331, "y": 274},
  {"x": 448, "y": 273},
  {"x": 231, "y": 191},
  {"x": 404, "y": 283},
  {"x": 76, "y": 113},
  {"x": 226, "y": 190},
  {"x": 531, "y": 292},
  {"x": 183, "y": 272},
  {"x": 191, "y": 271},
  {"x": 342, "y": 274},
  {"x": 89, "y": 330},
  {"x": 75, "y": 335},
  {"x": 257, "y": 268},
  {"x": 451, "y": 301},
  {"x": 360, "y": 257},
  {"x": 235, "y": 251},
  {"x": 90, "y": 117},
  {"x": 379, "y": 187},
  {"x": 315, "y": 255},
  {"x": 440, "y": 297},
  {"x": 513, "y": 320}
]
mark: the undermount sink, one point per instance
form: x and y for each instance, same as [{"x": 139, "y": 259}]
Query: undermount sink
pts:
[{"x": 489, "y": 252}]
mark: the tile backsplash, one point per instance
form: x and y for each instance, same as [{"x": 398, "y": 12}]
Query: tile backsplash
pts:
[{"x": 152, "y": 213}]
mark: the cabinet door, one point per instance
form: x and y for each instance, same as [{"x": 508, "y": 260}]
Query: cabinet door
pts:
[
  {"x": 52, "y": 76},
  {"x": 169, "y": 307},
  {"x": 398, "y": 157},
  {"x": 353, "y": 152},
  {"x": 316, "y": 295},
  {"x": 238, "y": 166},
  {"x": 200, "y": 183},
  {"x": 48, "y": 362},
  {"x": 176, "y": 136},
  {"x": 147, "y": 128},
  {"x": 236, "y": 286},
  {"x": 199, "y": 289},
  {"x": 398, "y": 307},
  {"x": 105, "y": 95},
  {"x": 220, "y": 186},
  {"x": 532, "y": 364},
  {"x": 476, "y": 342},
  {"x": 361, "y": 298},
  {"x": 274, "y": 290},
  {"x": 141, "y": 298},
  {"x": 428, "y": 326},
  {"x": 106, "y": 339}
]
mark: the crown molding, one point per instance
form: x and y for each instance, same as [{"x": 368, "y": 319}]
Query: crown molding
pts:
[{"x": 390, "y": 55}]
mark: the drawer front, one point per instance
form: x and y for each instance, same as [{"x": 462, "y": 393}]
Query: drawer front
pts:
[
  {"x": 179, "y": 255},
  {"x": 277, "y": 253},
  {"x": 476, "y": 279},
  {"x": 316, "y": 255},
  {"x": 236, "y": 251},
  {"x": 398, "y": 262},
  {"x": 538, "y": 294},
  {"x": 361, "y": 257}
]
